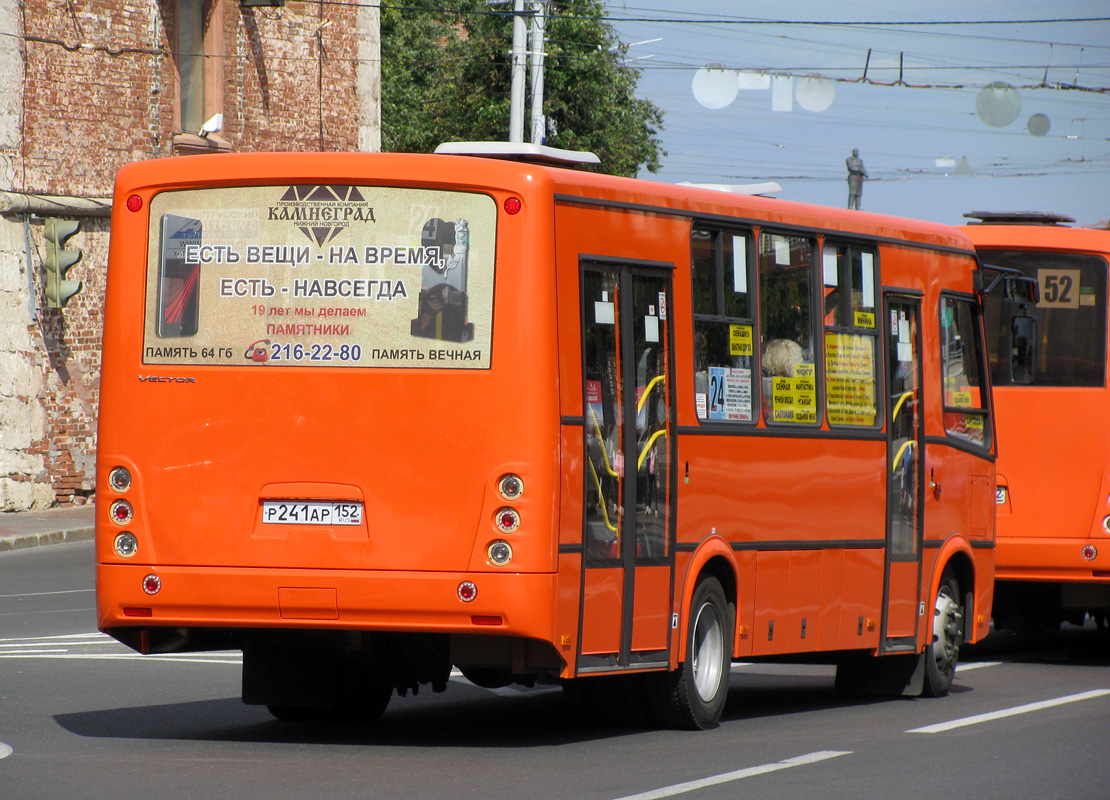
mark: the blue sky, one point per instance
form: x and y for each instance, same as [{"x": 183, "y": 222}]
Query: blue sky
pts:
[{"x": 909, "y": 136}]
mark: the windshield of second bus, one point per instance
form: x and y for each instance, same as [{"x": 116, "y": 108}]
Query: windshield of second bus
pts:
[{"x": 1070, "y": 317}]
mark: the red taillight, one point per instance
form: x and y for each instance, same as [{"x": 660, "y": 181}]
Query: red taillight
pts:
[
  {"x": 467, "y": 591},
  {"x": 507, "y": 520},
  {"x": 121, "y": 512},
  {"x": 512, "y": 205},
  {"x": 485, "y": 620},
  {"x": 152, "y": 584},
  {"x": 134, "y": 203}
]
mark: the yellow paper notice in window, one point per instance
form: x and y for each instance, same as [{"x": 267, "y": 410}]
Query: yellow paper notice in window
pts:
[{"x": 740, "y": 340}]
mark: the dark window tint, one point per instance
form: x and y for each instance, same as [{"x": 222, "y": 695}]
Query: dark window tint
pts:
[{"x": 1070, "y": 347}]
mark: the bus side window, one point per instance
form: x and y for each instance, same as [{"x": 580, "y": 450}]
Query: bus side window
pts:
[
  {"x": 723, "y": 327},
  {"x": 851, "y": 334},
  {"x": 966, "y": 414},
  {"x": 786, "y": 329}
]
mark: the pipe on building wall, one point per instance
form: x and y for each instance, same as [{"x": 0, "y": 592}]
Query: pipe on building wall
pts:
[{"x": 54, "y": 205}]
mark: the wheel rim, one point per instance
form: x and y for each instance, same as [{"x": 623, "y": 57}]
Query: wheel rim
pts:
[
  {"x": 948, "y": 625},
  {"x": 708, "y": 647}
]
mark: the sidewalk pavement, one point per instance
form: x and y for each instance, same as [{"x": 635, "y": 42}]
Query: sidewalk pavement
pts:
[{"x": 20, "y": 529}]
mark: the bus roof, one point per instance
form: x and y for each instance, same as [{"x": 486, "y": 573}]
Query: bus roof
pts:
[
  {"x": 1038, "y": 236},
  {"x": 571, "y": 185}
]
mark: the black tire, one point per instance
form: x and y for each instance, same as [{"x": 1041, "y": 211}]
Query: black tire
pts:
[
  {"x": 948, "y": 635},
  {"x": 693, "y": 696}
]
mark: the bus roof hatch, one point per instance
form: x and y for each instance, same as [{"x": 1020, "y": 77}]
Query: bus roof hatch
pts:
[
  {"x": 1018, "y": 218},
  {"x": 520, "y": 151}
]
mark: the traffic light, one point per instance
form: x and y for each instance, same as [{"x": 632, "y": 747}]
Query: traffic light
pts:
[{"x": 58, "y": 260}]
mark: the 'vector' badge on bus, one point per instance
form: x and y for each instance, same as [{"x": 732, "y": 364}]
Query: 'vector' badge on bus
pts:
[{"x": 166, "y": 379}]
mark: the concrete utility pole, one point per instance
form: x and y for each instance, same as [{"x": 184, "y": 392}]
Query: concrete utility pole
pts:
[
  {"x": 539, "y": 20},
  {"x": 521, "y": 52},
  {"x": 519, "y": 58}
]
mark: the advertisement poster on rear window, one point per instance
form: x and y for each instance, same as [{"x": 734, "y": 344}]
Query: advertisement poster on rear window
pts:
[{"x": 320, "y": 275}]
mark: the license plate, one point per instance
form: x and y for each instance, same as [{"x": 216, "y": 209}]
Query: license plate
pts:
[{"x": 311, "y": 512}]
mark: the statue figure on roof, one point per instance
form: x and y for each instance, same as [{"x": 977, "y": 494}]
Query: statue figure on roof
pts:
[{"x": 857, "y": 174}]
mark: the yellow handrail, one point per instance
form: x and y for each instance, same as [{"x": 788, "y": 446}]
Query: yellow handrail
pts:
[
  {"x": 601, "y": 442},
  {"x": 650, "y": 442},
  {"x": 898, "y": 456},
  {"x": 601, "y": 497},
  {"x": 647, "y": 391},
  {"x": 897, "y": 406}
]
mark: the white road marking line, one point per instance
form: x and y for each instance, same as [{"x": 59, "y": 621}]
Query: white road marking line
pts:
[
  {"x": 16, "y": 646},
  {"x": 740, "y": 774},
  {"x": 70, "y": 636},
  {"x": 153, "y": 658},
  {"x": 964, "y": 667},
  {"x": 1010, "y": 712},
  {"x": 90, "y": 647},
  {"x": 45, "y": 594}
]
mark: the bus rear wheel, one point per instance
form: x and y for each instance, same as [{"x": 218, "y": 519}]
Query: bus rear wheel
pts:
[
  {"x": 693, "y": 696},
  {"x": 948, "y": 636}
]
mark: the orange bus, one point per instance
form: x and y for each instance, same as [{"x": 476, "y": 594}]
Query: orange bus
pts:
[
  {"x": 1053, "y": 468},
  {"x": 372, "y": 417}
]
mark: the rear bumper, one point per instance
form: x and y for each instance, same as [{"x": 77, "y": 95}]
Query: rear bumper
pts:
[
  {"x": 1058, "y": 560},
  {"x": 239, "y": 598}
]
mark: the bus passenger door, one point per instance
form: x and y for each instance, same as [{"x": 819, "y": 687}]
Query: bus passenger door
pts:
[
  {"x": 905, "y": 465},
  {"x": 628, "y": 562}
]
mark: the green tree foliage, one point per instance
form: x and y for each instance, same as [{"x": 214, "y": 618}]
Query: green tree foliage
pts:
[{"x": 446, "y": 75}]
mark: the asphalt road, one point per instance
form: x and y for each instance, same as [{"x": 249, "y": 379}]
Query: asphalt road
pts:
[{"x": 83, "y": 717}]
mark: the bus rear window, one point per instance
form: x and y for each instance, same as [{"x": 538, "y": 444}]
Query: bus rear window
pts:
[
  {"x": 334, "y": 276},
  {"x": 1071, "y": 318}
]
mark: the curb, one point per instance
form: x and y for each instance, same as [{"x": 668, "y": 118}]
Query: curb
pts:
[{"x": 27, "y": 540}]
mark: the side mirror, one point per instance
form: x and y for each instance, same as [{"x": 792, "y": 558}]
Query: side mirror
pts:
[
  {"x": 1016, "y": 286},
  {"x": 1023, "y": 346},
  {"x": 1023, "y": 290}
]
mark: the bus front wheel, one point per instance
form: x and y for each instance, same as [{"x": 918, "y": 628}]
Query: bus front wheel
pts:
[
  {"x": 948, "y": 635},
  {"x": 693, "y": 696}
]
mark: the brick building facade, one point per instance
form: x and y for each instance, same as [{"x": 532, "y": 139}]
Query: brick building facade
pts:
[{"x": 89, "y": 85}]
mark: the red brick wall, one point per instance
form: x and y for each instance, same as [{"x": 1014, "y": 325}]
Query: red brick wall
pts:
[{"x": 99, "y": 91}]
